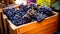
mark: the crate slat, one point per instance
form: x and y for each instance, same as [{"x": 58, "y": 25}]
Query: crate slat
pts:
[
  {"x": 5, "y": 24},
  {"x": 1, "y": 27}
]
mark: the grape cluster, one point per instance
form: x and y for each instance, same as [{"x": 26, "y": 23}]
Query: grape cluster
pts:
[{"x": 26, "y": 14}]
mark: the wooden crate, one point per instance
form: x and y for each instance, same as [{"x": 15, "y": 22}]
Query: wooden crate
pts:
[{"x": 47, "y": 26}]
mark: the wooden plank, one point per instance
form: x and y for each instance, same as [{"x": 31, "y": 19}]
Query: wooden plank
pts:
[
  {"x": 1, "y": 22},
  {"x": 1, "y": 26},
  {"x": 5, "y": 24},
  {"x": 1, "y": 6}
]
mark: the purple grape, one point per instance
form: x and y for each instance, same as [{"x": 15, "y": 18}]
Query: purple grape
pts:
[{"x": 25, "y": 14}]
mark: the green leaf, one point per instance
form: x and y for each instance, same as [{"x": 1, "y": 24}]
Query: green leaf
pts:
[{"x": 56, "y": 5}]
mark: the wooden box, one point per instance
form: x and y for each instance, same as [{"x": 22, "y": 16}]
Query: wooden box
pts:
[{"x": 47, "y": 26}]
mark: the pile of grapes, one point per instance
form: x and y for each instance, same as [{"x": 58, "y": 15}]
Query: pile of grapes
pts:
[{"x": 27, "y": 13}]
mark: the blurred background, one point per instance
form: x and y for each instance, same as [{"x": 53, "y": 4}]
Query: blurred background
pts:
[{"x": 51, "y": 3}]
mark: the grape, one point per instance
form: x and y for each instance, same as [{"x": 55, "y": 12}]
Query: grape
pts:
[
  {"x": 10, "y": 18},
  {"x": 27, "y": 14},
  {"x": 45, "y": 16},
  {"x": 23, "y": 13},
  {"x": 9, "y": 13},
  {"x": 19, "y": 22},
  {"x": 5, "y": 11},
  {"x": 33, "y": 20},
  {"x": 49, "y": 12},
  {"x": 21, "y": 6},
  {"x": 17, "y": 16},
  {"x": 26, "y": 19},
  {"x": 39, "y": 17},
  {"x": 13, "y": 21},
  {"x": 33, "y": 5},
  {"x": 13, "y": 9},
  {"x": 17, "y": 11}
]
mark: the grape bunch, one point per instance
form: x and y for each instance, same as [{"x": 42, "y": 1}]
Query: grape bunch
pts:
[{"x": 28, "y": 13}]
